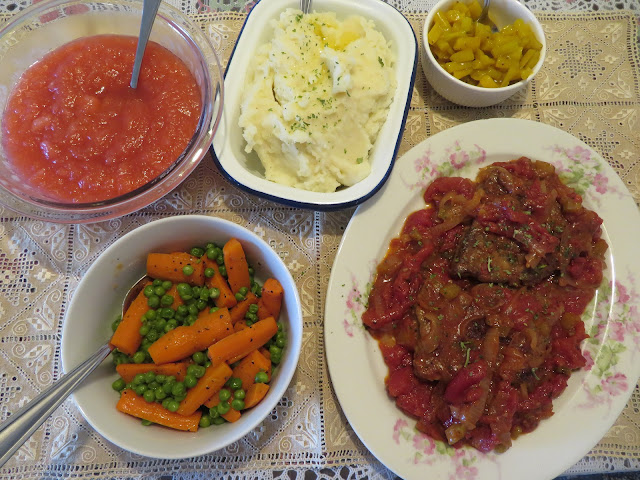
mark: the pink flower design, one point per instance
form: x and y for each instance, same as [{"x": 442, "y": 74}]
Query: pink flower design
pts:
[
  {"x": 459, "y": 159},
  {"x": 623, "y": 296},
  {"x": 397, "y": 429},
  {"x": 615, "y": 384},
  {"x": 579, "y": 154},
  {"x": 618, "y": 329},
  {"x": 588, "y": 358},
  {"x": 348, "y": 328},
  {"x": 600, "y": 182},
  {"x": 424, "y": 444}
]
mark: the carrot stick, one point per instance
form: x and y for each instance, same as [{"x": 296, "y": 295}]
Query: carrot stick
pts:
[
  {"x": 177, "y": 299},
  {"x": 129, "y": 370},
  {"x": 271, "y": 300},
  {"x": 250, "y": 365},
  {"x": 213, "y": 401},
  {"x": 168, "y": 266},
  {"x": 243, "y": 342},
  {"x": 184, "y": 341},
  {"x": 255, "y": 393},
  {"x": 127, "y": 336},
  {"x": 208, "y": 385},
  {"x": 240, "y": 310},
  {"x": 226, "y": 299},
  {"x": 135, "y": 405},
  {"x": 240, "y": 325},
  {"x": 232, "y": 415},
  {"x": 236, "y": 263}
]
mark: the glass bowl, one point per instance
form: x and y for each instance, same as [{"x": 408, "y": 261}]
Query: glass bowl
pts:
[{"x": 52, "y": 23}]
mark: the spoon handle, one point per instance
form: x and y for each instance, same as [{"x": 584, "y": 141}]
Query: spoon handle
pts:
[
  {"x": 21, "y": 425},
  {"x": 149, "y": 11}
]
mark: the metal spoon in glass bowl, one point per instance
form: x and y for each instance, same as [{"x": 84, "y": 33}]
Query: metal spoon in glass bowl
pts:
[
  {"x": 22, "y": 423},
  {"x": 149, "y": 11}
]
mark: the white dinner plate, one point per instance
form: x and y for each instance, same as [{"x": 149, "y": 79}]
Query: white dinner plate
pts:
[{"x": 595, "y": 395}]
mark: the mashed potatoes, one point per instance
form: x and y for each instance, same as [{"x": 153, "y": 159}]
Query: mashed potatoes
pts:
[{"x": 315, "y": 99}]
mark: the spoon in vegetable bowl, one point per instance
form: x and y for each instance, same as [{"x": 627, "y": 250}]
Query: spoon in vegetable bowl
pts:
[
  {"x": 149, "y": 12},
  {"x": 22, "y": 423}
]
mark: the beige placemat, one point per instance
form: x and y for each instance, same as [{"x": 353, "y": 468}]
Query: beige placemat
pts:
[{"x": 588, "y": 87}]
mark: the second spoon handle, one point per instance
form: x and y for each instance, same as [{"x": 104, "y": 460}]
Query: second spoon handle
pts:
[
  {"x": 21, "y": 425},
  {"x": 149, "y": 11}
]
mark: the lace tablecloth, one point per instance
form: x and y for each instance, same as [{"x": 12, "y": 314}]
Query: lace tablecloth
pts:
[{"x": 588, "y": 87}]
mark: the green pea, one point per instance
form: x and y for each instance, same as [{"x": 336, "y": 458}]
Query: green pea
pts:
[
  {"x": 151, "y": 315},
  {"x": 160, "y": 378},
  {"x": 223, "y": 270},
  {"x": 237, "y": 404},
  {"x": 201, "y": 304},
  {"x": 165, "y": 402},
  {"x": 196, "y": 291},
  {"x": 223, "y": 408},
  {"x": 235, "y": 383},
  {"x": 149, "y": 396},
  {"x": 256, "y": 289},
  {"x": 156, "y": 282},
  {"x": 193, "y": 309},
  {"x": 167, "y": 284},
  {"x": 139, "y": 357},
  {"x": 251, "y": 271},
  {"x": 178, "y": 389},
  {"x": 239, "y": 296},
  {"x": 114, "y": 325},
  {"x": 275, "y": 350},
  {"x": 138, "y": 379},
  {"x": 209, "y": 272},
  {"x": 214, "y": 293},
  {"x": 214, "y": 309},
  {"x": 173, "y": 405},
  {"x": 185, "y": 291},
  {"x": 160, "y": 394},
  {"x": 152, "y": 336},
  {"x": 160, "y": 324},
  {"x": 167, "y": 313},
  {"x": 179, "y": 398},
  {"x": 280, "y": 326},
  {"x": 153, "y": 301},
  {"x": 249, "y": 323},
  {"x": 182, "y": 311},
  {"x": 197, "y": 252},
  {"x": 239, "y": 394},
  {"x": 146, "y": 422},
  {"x": 205, "y": 421},
  {"x": 276, "y": 358},
  {"x": 149, "y": 377},
  {"x": 159, "y": 291},
  {"x": 187, "y": 270},
  {"x": 190, "y": 381},
  {"x": 190, "y": 320},
  {"x": 140, "y": 389},
  {"x": 144, "y": 329},
  {"x": 220, "y": 260},
  {"x": 218, "y": 421},
  {"x": 171, "y": 324},
  {"x": 199, "y": 357},
  {"x": 251, "y": 316},
  {"x": 213, "y": 412},
  {"x": 243, "y": 291},
  {"x": 148, "y": 291},
  {"x": 195, "y": 370},
  {"x": 224, "y": 395},
  {"x": 281, "y": 339},
  {"x": 166, "y": 300},
  {"x": 253, "y": 308},
  {"x": 119, "y": 385},
  {"x": 167, "y": 387},
  {"x": 261, "y": 377}
]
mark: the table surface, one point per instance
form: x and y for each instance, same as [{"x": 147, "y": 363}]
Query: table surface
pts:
[{"x": 54, "y": 257}]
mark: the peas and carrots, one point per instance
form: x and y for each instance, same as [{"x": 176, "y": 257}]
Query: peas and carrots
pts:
[{"x": 190, "y": 347}]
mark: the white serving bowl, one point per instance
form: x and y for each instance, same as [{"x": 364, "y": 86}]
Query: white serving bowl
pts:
[
  {"x": 502, "y": 12},
  {"x": 228, "y": 144},
  {"x": 97, "y": 302}
]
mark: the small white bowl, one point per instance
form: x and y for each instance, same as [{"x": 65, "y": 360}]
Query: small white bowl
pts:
[
  {"x": 97, "y": 302},
  {"x": 502, "y": 12},
  {"x": 228, "y": 144}
]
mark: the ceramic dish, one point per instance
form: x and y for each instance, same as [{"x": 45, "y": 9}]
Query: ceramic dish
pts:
[
  {"x": 595, "y": 395},
  {"x": 97, "y": 302},
  {"x": 228, "y": 145},
  {"x": 502, "y": 13}
]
